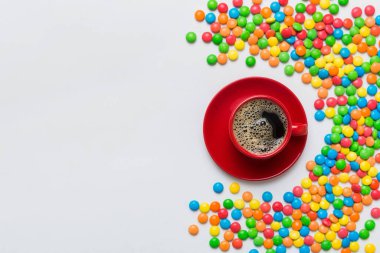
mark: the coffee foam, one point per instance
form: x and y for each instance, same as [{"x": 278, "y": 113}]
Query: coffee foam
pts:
[{"x": 252, "y": 131}]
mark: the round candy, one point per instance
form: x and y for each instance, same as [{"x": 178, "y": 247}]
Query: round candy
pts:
[
  {"x": 370, "y": 248},
  {"x": 234, "y": 188},
  {"x": 250, "y": 61},
  {"x": 267, "y": 196},
  {"x": 375, "y": 213},
  {"x": 218, "y": 187},
  {"x": 194, "y": 205},
  {"x": 191, "y": 37},
  {"x": 193, "y": 230}
]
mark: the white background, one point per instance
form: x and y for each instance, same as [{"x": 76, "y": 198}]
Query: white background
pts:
[{"x": 101, "y": 108}]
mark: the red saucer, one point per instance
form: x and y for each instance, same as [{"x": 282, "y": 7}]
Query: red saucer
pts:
[{"x": 217, "y": 139}]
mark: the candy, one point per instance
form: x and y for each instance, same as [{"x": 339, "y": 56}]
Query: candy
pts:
[
  {"x": 193, "y": 230},
  {"x": 218, "y": 187}
]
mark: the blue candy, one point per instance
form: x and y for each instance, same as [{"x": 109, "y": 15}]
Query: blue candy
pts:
[
  {"x": 234, "y": 13},
  {"x": 345, "y": 81},
  {"x": 294, "y": 55},
  {"x": 338, "y": 213},
  {"x": 345, "y": 53},
  {"x": 225, "y": 223},
  {"x": 210, "y": 18},
  {"x": 353, "y": 236},
  {"x": 354, "y": 166},
  {"x": 322, "y": 213},
  {"x": 279, "y": 16},
  {"x": 346, "y": 119},
  {"x": 194, "y": 205},
  {"x": 377, "y": 20},
  {"x": 348, "y": 202},
  {"x": 309, "y": 62},
  {"x": 275, "y": 6},
  {"x": 296, "y": 203},
  {"x": 278, "y": 216},
  {"x": 327, "y": 139},
  {"x": 360, "y": 71},
  {"x": 320, "y": 159},
  {"x": 254, "y": 251},
  {"x": 345, "y": 243},
  {"x": 267, "y": 196},
  {"x": 375, "y": 114},
  {"x": 236, "y": 214},
  {"x": 283, "y": 232},
  {"x": 332, "y": 154},
  {"x": 218, "y": 187},
  {"x": 372, "y": 90},
  {"x": 362, "y": 102},
  {"x": 338, "y": 33},
  {"x": 288, "y": 197},
  {"x": 304, "y": 249},
  {"x": 304, "y": 231},
  {"x": 319, "y": 115},
  {"x": 323, "y": 74},
  {"x": 281, "y": 249}
]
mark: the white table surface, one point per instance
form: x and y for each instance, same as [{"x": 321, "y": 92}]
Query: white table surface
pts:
[{"x": 101, "y": 108}]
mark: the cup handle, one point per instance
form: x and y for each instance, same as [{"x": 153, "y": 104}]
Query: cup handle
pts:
[{"x": 299, "y": 129}]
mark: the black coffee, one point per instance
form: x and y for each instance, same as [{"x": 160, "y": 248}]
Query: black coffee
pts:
[{"x": 260, "y": 126}]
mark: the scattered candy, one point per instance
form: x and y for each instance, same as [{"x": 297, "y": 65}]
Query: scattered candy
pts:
[{"x": 341, "y": 59}]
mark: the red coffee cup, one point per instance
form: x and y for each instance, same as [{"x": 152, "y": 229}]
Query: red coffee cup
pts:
[{"x": 293, "y": 128}]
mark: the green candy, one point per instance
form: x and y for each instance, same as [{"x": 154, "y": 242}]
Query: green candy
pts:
[
  {"x": 354, "y": 30},
  {"x": 370, "y": 225},
  {"x": 312, "y": 34},
  {"x": 289, "y": 70},
  {"x": 242, "y": 21},
  {"x": 228, "y": 203},
  {"x": 368, "y": 121},
  {"x": 330, "y": 40},
  {"x": 346, "y": 39},
  {"x": 252, "y": 233},
  {"x": 334, "y": 9},
  {"x": 212, "y": 59},
  {"x": 374, "y": 59},
  {"x": 325, "y": 150},
  {"x": 277, "y": 240},
  {"x": 377, "y": 124},
  {"x": 370, "y": 40},
  {"x": 359, "y": 22},
  {"x": 224, "y": 47},
  {"x": 191, "y": 37},
  {"x": 314, "y": 70},
  {"x": 250, "y": 61},
  {"x": 250, "y": 27},
  {"x": 297, "y": 26},
  {"x": 244, "y": 11},
  {"x": 343, "y": 2},
  {"x": 338, "y": 204},
  {"x": 366, "y": 66},
  {"x": 352, "y": 100},
  {"x": 214, "y": 243},
  {"x": 377, "y": 144},
  {"x": 336, "y": 129},
  {"x": 212, "y": 5},
  {"x": 279, "y": 36},
  {"x": 308, "y": 43},
  {"x": 284, "y": 57},
  {"x": 318, "y": 16},
  {"x": 262, "y": 43},
  {"x": 326, "y": 245},
  {"x": 258, "y": 241},
  {"x": 350, "y": 90},
  {"x": 365, "y": 154},
  {"x": 245, "y": 35},
  {"x": 354, "y": 146},
  {"x": 217, "y": 39},
  {"x": 340, "y": 164},
  {"x": 318, "y": 171},
  {"x": 243, "y": 235},
  {"x": 305, "y": 220},
  {"x": 364, "y": 234},
  {"x": 366, "y": 190},
  {"x": 342, "y": 110},
  {"x": 353, "y": 75},
  {"x": 250, "y": 223},
  {"x": 335, "y": 138},
  {"x": 339, "y": 90},
  {"x": 338, "y": 119},
  {"x": 300, "y": 8},
  {"x": 275, "y": 26},
  {"x": 257, "y": 19},
  {"x": 287, "y": 222},
  {"x": 270, "y": 251}
]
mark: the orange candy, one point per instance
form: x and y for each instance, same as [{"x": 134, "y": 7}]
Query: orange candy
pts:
[
  {"x": 288, "y": 10},
  {"x": 265, "y": 54},
  {"x": 252, "y": 40},
  {"x": 202, "y": 218},
  {"x": 355, "y": 217},
  {"x": 366, "y": 112},
  {"x": 327, "y": 83},
  {"x": 310, "y": 165},
  {"x": 375, "y": 67},
  {"x": 354, "y": 179},
  {"x": 223, "y": 18},
  {"x": 333, "y": 71},
  {"x": 289, "y": 20},
  {"x": 284, "y": 46},
  {"x": 306, "y": 78},
  {"x": 214, "y": 206},
  {"x": 345, "y": 250},
  {"x": 367, "y": 200},
  {"x": 322, "y": 93},
  {"x": 288, "y": 242},
  {"x": 237, "y": 31},
  {"x": 224, "y": 246},
  {"x": 323, "y": 229},
  {"x": 257, "y": 214},
  {"x": 347, "y": 191},
  {"x": 351, "y": 226},
  {"x": 299, "y": 67},
  {"x": 357, "y": 39},
  {"x": 297, "y": 225},
  {"x": 356, "y": 114},
  {"x": 313, "y": 189},
  {"x": 247, "y": 196},
  {"x": 260, "y": 226},
  {"x": 371, "y": 78},
  {"x": 257, "y": 1},
  {"x": 254, "y": 49},
  {"x": 222, "y": 59},
  {"x": 347, "y": 210},
  {"x": 315, "y": 247},
  {"x": 297, "y": 214},
  {"x": 214, "y": 220},
  {"x": 193, "y": 229},
  {"x": 231, "y": 23},
  {"x": 362, "y": 47},
  {"x": 369, "y": 141},
  {"x": 247, "y": 212},
  {"x": 258, "y": 33},
  {"x": 334, "y": 180},
  {"x": 268, "y": 243},
  {"x": 199, "y": 15},
  {"x": 372, "y": 51},
  {"x": 229, "y": 235},
  {"x": 313, "y": 226},
  {"x": 225, "y": 31},
  {"x": 301, "y": 50},
  {"x": 273, "y": 61},
  {"x": 266, "y": 12}
]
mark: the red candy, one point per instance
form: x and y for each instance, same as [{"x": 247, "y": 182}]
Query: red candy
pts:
[
  {"x": 235, "y": 227},
  {"x": 287, "y": 210},
  {"x": 222, "y": 7},
  {"x": 277, "y": 206},
  {"x": 268, "y": 233},
  {"x": 369, "y": 10},
  {"x": 347, "y": 23},
  {"x": 356, "y": 12},
  {"x": 297, "y": 191},
  {"x": 237, "y": 243},
  {"x": 305, "y": 208},
  {"x": 237, "y": 3},
  {"x": 319, "y": 104},
  {"x": 207, "y": 37},
  {"x": 300, "y": 18},
  {"x": 342, "y": 100},
  {"x": 338, "y": 23},
  {"x": 345, "y": 142},
  {"x": 223, "y": 213},
  {"x": 343, "y": 233},
  {"x": 265, "y": 207},
  {"x": 328, "y": 19},
  {"x": 283, "y": 2},
  {"x": 215, "y": 27},
  {"x": 331, "y": 102},
  {"x": 230, "y": 40},
  {"x": 309, "y": 240},
  {"x": 255, "y": 9},
  {"x": 375, "y": 212},
  {"x": 375, "y": 194},
  {"x": 311, "y": 9}
]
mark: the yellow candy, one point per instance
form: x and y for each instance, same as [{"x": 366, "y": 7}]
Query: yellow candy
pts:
[
  {"x": 298, "y": 243},
  {"x": 270, "y": 20},
  {"x": 239, "y": 204},
  {"x": 345, "y": 151},
  {"x": 306, "y": 183},
  {"x": 358, "y": 60},
  {"x": 309, "y": 24},
  {"x": 239, "y": 44},
  {"x": 344, "y": 177},
  {"x": 254, "y": 204},
  {"x": 348, "y": 131},
  {"x": 370, "y": 248},
  {"x": 306, "y": 197},
  {"x": 373, "y": 172},
  {"x": 341, "y": 73},
  {"x": 272, "y": 41},
  {"x": 377, "y": 97},
  {"x": 329, "y": 58},
  {"x": 276, "y": 225},
  {"x": 361, "y": 121},
  {"x": 234, "y": 187},
  {"x": 294, "y": 235},
  {"x": 337, "y": 190},
  {"x": 320, "y": 63},
  {"x": 214, "y": 230},
  {"x": 354, "y": 246},
  {"x": 324, "y": 204},
  {"x": 365, "y": 166},
  {"x": 336, "y": 244},
  {"x": 316, "y": 82},
  {"x": 367, "y": 180},
  {"x": 344, "y": 220},
  {"x": 233, "y": 55},
  {"x": 336, "y": 48},
  {"x": 282, "y": 27},
  {"x": 353, "y": 48},
  {"x": 314, "y": 206},
  {"x": 348, "y": 68},
  {"x": 328, "y": 65},
  {"x": 365, "y": 31},
  {"x": 362, "y": 92},
  {"x": 319, "y": 237},
  {"x": 322, "y": 180},
  {"x": 338, "y": 62},
  {"x": 330, "y": 112},
  {"x": 335, "y": 227},
  {"x": 275, "y": 51},
  {"x": 325, "y": 4},
  {"x": 330, "y": 236},
  {"x": 351, "y": 156},
  {"x": 204, "y": 207}
]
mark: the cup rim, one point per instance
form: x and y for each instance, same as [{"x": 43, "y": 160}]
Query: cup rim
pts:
[{"x": 241, "y": 148}]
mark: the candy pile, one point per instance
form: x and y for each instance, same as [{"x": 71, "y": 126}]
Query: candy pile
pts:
[{"x": 341, "y": 54}]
